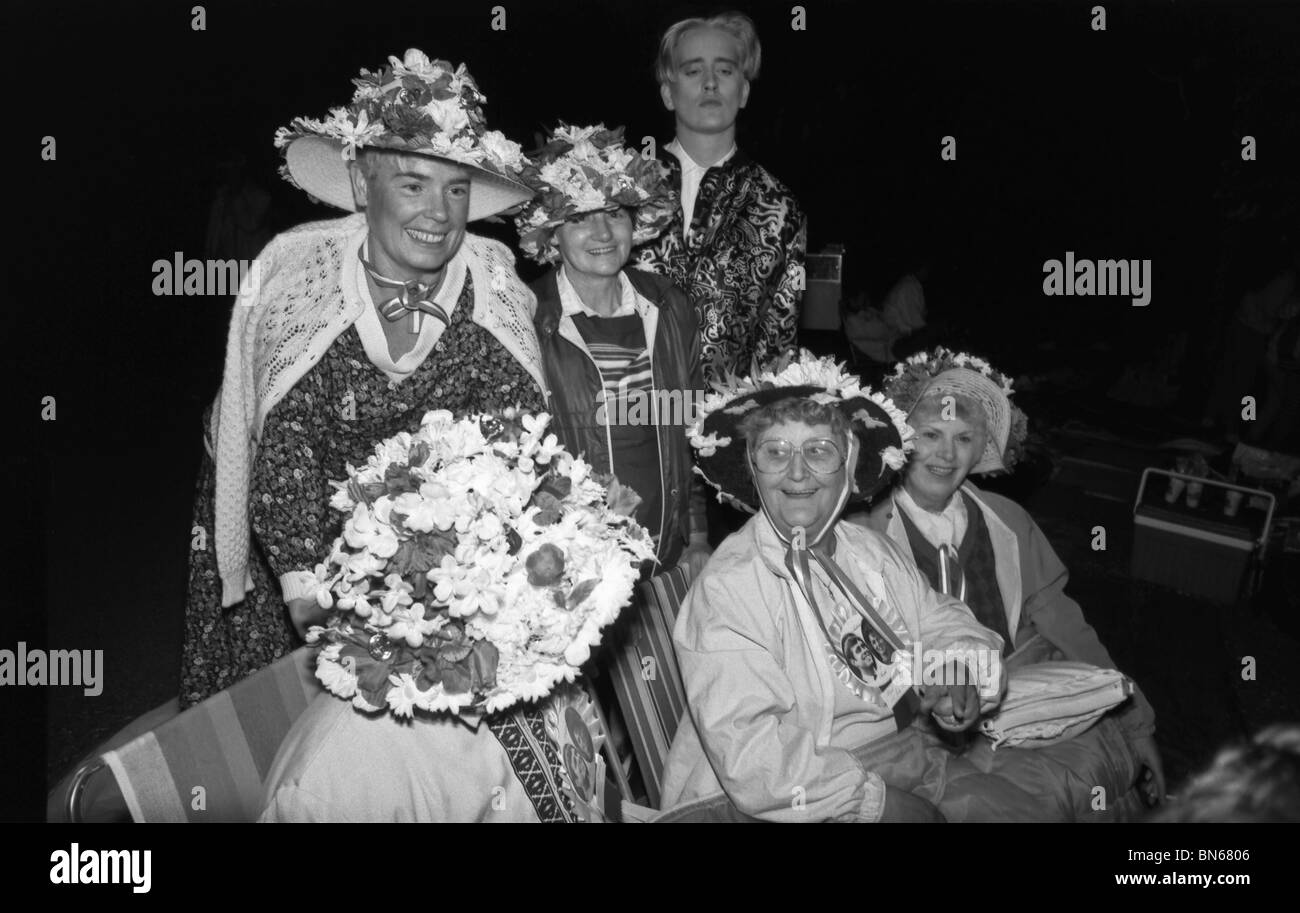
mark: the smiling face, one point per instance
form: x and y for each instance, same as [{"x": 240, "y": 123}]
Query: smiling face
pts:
[
  {"x": 596, "y": 244},
  {"x": 858, "y": 654},
  {"x": 949, "y": 442},
  {"x": 416, "y": 209},
  {"x": 708, "y": 89},
  {"x": 797, "y": 496}
]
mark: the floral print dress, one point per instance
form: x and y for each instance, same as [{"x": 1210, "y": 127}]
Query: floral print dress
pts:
[{"x": 334, "y": 415}]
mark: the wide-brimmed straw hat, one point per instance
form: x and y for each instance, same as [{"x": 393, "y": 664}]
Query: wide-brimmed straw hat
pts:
[
  {"x": 588, "y": 169},
  {"x": 932, "y": 374},
  {"x": 881, "y": 429},
  {"x": 417, "y": 106}
]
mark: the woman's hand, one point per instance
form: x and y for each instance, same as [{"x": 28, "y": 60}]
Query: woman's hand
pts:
[
  {"x": 1152, "y": 786},
  {"x": 959, "y": 703},
  {"x": 901, "y": 806},
  {"x": 305, "y": 612}
]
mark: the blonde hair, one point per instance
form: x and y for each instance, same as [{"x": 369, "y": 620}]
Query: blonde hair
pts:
[{"x": 737, "y": 25}]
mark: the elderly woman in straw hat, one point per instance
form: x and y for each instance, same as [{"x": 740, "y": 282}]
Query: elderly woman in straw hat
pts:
[
  {"x": 350, "y": 330},
  {"x": 985, "y": 549},
  {"x": 620, "y": 347},
  {"x": 783, "y": 725}
]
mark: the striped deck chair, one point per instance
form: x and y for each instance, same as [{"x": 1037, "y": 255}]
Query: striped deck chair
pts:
[
  {"x": 224, "y": 746},
  {"x": 647, "y": 682}
]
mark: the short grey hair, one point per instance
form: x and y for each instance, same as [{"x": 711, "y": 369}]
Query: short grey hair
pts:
[
  {"x": 738, "y": 25},
  {"x": 794, "y": 410}
]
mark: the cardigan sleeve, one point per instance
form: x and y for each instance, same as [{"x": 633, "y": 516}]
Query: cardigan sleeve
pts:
[
  {"x": 743, "y": 704},
  {"x": 1060, "y": 619}
]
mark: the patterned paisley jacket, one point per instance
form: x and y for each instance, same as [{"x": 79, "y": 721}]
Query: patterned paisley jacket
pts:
[{"x": 742, "y": 264}]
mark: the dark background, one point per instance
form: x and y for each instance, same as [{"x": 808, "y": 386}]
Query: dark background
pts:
[{"x": 1115, "y": 144}]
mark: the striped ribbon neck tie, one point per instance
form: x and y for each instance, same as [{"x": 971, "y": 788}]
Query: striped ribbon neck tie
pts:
[
  {"x": 951, "y": 578},
  {"x": 414, "y": 298}
]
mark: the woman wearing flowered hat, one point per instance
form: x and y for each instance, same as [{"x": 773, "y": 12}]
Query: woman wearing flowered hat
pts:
[
  {"x": 982, "y": 547},
  {"x": 349, "y": 331},
  {"x": 780, "y": 725},
  {"x": 620, "y": 347}
]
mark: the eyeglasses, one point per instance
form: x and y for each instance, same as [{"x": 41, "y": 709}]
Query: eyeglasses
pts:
[{"x": 820, "y": 456}]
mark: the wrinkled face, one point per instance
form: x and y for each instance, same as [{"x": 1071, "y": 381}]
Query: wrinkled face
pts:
[
  {"x": 416, "y": 209},
  {"x": 597, "y": 243},
  {"x": 946, "y": 451},
  {"x": 796, "y": 496},
  {"x": 707, "y": 90}
]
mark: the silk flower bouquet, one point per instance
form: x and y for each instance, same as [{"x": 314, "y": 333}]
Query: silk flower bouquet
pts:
[{"x": 477, "y": 567}]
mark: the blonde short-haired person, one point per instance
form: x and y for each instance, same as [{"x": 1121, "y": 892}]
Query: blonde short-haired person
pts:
[{"x": 737, "y": 244}]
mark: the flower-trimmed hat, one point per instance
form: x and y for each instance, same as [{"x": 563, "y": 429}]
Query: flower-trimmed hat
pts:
[
  {"x": 879, "y": 427},
  {"x": 928, "y": 374},
  {"x": 413, "y": 105},
  {"x": 587, "y": 169}
]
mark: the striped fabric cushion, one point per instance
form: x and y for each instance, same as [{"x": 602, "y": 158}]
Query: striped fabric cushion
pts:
[
  {"x": 220, "y": 750},
  {"x": 646, "y": 679}
]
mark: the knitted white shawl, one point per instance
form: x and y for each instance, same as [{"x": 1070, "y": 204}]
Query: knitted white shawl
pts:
[{"x": 301, "y": 297}]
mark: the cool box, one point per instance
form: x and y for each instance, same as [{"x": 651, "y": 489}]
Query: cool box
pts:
[{"x": 1198, "y": 550}]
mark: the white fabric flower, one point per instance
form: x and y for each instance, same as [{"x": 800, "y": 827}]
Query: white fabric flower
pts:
[
  {"x": 449, "y": 115},
  {"x": 893, "y": 457},
  {"x": 405, "y": 697},
  {"x": 506, "y": 153},
  {"x": 416, "y": 63}
]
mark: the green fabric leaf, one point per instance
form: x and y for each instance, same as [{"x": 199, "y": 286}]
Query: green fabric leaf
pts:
[
  {"x": 430, "y": 675},
  {"x": 581, "y": 592},
  {"x": 453, "y": 653},
  {"x": 483, "y": 659},
  {"x": 398, "y": 479},
  {"x": 456, "y": 679},
  {"x": 556, "y": 486},
  {"x": 421, "y": 552}
]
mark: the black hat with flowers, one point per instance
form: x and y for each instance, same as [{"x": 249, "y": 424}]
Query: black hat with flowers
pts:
[{"x": 881, "y": 430}]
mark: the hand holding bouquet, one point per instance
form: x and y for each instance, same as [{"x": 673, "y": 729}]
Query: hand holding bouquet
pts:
[{"x": 477, "y": 566}]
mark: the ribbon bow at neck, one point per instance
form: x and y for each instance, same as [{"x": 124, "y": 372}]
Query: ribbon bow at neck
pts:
[
  {"x": 797, "y": 560},
  {"x": 414, "y": 298}
]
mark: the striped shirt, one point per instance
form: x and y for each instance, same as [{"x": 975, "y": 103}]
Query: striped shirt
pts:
[{"x": 618, "y": 345}]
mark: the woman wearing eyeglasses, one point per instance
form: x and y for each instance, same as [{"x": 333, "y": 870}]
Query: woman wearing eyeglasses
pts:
[{"x": 781, "y": 727}]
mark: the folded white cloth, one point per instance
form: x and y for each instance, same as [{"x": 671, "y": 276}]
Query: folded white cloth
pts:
[{"x": 1050, "y": 702}]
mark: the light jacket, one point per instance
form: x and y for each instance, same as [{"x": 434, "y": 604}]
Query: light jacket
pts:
[
  {"x": 1032, "y": 582},
  {"x": 574, "y": 386},
  {"x": 760, "y": 688}
]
